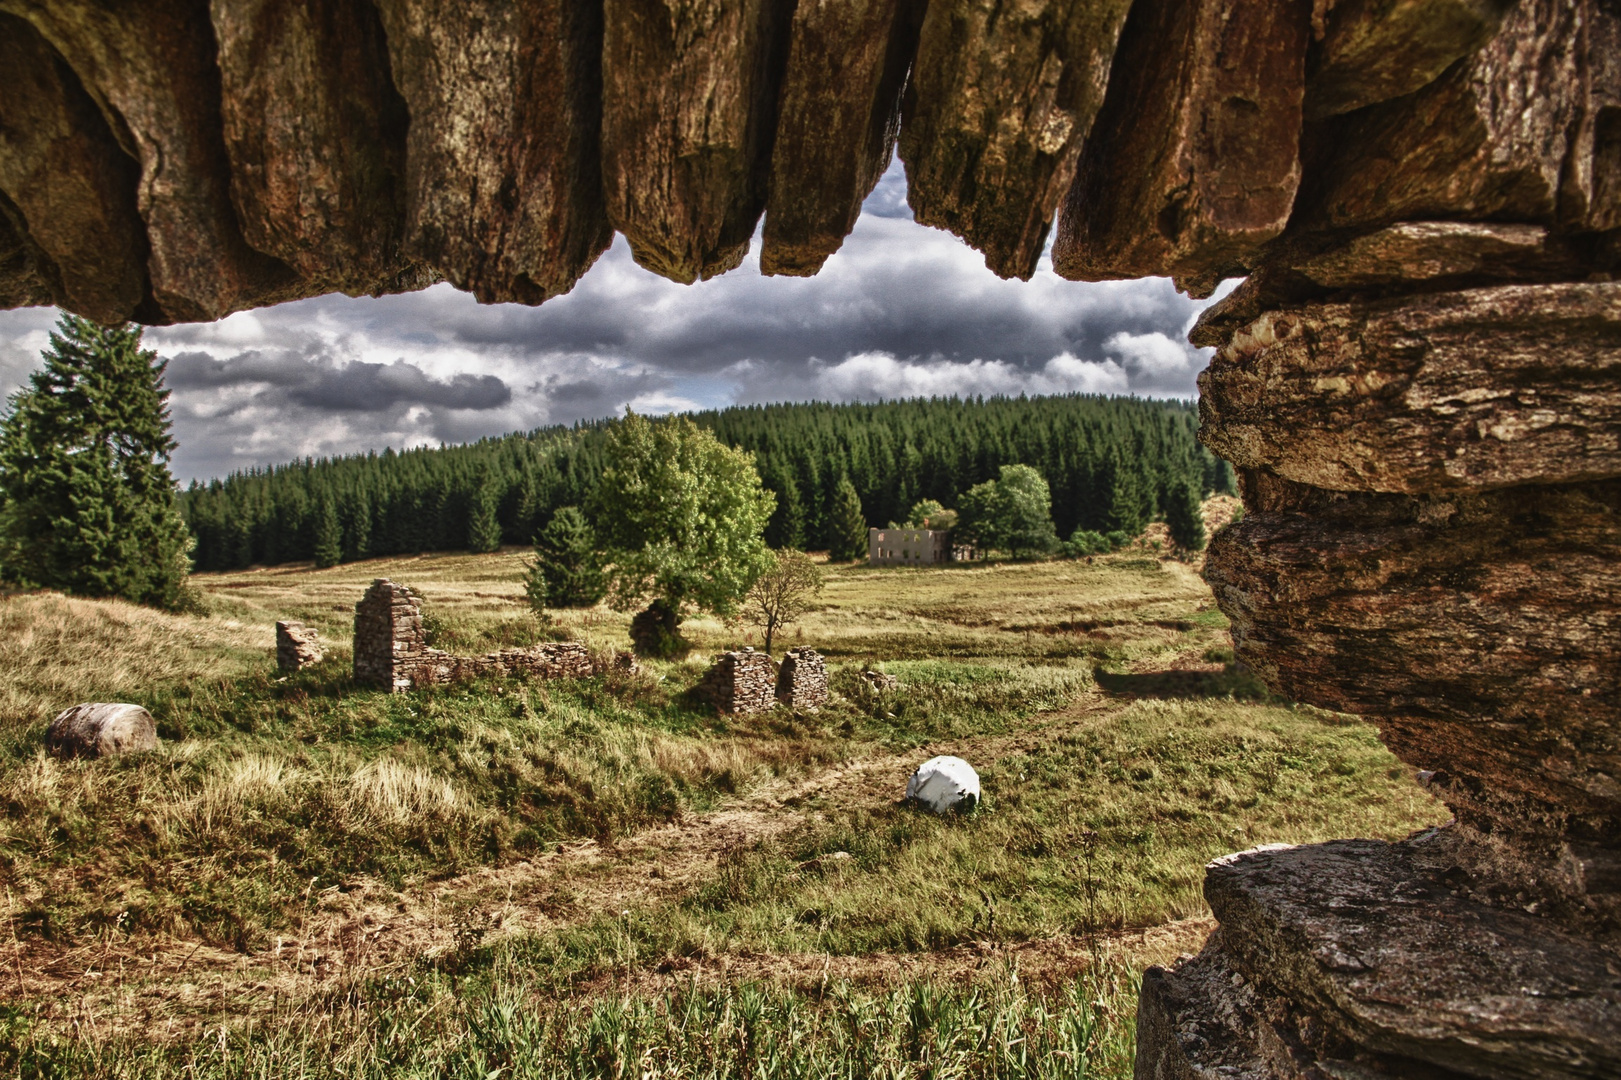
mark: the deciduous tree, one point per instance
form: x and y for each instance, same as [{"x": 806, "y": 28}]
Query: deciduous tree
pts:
[
  {"x": 680, "y": 517},
  {"x": 782, "y": 593}
]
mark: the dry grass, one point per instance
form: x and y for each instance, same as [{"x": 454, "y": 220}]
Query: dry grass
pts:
[
  {"x": 612, "y": 828},
  {"x": 61, "y": 650}
]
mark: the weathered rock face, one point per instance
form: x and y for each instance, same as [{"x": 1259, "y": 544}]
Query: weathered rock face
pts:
[
  {"x": 1193, "y": 162},
  {"x": 297, "y": 646},
  {"x": 1444, "y": 392},
  {"x": 840, "y": 112},
  {"x": 503, "y": 182},
  {"x": 1002, "y": 97},
  {"x": 68, "y": 181},
  {"x": 689, "y": 112},
  {"x": 101, "y": 730},
  {"x": 151, "y": 68}
]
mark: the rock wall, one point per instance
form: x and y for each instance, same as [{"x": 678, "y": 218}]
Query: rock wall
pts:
[
  {"x": 297, "y": 646},
  {"x": 802, "y": 679},
  {"x": 739, "y": 682},
  {"x": 391, "y": 649},
  {"x": 1417, "y": 379}
]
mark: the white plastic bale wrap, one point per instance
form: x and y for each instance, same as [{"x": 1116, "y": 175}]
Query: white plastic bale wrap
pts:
[{"x": 944, "y": 783}]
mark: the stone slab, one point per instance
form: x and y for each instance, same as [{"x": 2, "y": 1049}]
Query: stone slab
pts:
[{"x": 1364, "y": 934}]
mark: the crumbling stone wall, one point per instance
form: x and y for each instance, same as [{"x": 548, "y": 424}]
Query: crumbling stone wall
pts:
[
  {"x": 391, "y": 649},
  {"x": 740, "y": 682},
  {"x": 802, "y": 679},
  {"x": 297, "y": 646}
]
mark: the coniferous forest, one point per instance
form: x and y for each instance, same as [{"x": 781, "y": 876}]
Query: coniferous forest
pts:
[{"x": 1111, "y": 462}]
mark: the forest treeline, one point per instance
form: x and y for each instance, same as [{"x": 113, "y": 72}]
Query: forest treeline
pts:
[{"x": 1111, "y": 462}]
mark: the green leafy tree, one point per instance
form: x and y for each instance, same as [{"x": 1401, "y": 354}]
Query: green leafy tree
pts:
[
  {"x": 847, "y": 524},
  {"x": 977, "y": 519},
  {"x": 567, "y": 570},
  {"x": 680, "y": 516},
  {"x": 1024, "y": 512},
  {"x": 88, "y": 501},
  {"x": 782, "y": 593},
  {"x": 328, "y": 534},
  {"x": 1184, "y": 516},
  {"x": 1012, "y": 513},
  {"x": 929, "y": 514}
]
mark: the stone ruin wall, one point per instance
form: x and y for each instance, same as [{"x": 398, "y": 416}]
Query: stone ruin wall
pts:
[
  {"x": 297, "y": 646},
  {"x": 802, "y": 679},
  {"x": 741, "y": 682},
  {"x": 1417, "y": 381},
  {"x": 391, "y": 649},
  {"x": 746, "y": 681}
]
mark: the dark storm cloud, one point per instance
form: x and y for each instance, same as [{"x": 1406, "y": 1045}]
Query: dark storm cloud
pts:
[
  {"x": 321, "y": 383},
  {"x": 900, "y": 311}
]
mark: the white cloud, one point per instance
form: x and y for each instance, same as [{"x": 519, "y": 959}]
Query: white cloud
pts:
[{"x": 900, "y": 311}]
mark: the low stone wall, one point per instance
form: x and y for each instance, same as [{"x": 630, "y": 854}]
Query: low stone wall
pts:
[
  {"x": 552, "y": 660},
  {"x": 802, "y": 679},
  {"x": 740, "y": 682},
  {"x": 391, "y": 649},
  {"x": 297, "y": 646}
]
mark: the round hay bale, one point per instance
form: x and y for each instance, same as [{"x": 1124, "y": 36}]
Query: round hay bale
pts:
[{"x": 101, "y": 729}]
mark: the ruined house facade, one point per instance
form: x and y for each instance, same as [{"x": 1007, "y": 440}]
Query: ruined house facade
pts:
[
  {"x": 1417, "y": 381},
  {"x": 908, "y": 547}
]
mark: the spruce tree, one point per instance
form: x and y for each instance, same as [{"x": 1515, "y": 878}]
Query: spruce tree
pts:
[
  {"x": 786, "y": 529},
  {"x": 567, "y": 570},
  {"x": 1125, "y": 500},
  {"x": 483, "y": 523},
  {"x": 846, "y": 523},
  {"x": 88, "y": 501},
  {"x": 328, "y": 534},
  {"x": 1184, "y": 516}
]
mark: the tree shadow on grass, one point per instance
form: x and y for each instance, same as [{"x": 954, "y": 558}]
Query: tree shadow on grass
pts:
[{"x": 1231, "y": 681}]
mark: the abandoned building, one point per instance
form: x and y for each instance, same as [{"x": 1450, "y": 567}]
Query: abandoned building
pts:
[{"x": 888, "y": 547}]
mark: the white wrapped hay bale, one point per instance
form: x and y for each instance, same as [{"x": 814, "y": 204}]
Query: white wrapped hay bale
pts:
[{"x": 944, "y": 783}]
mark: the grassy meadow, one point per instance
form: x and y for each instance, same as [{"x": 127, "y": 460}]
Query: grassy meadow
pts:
[{"x": 601, "y": 877}]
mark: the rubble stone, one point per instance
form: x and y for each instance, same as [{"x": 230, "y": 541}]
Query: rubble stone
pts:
[
  {"x": 297, "y": 645},
  {"x": 802, "y": 679},
  {"x": 391, "y": 649},
  {"x": 740, "y": 682},
  {"x": 101, "y": 729}
]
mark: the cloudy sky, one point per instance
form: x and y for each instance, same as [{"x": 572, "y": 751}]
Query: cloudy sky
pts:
[{"x": 901, "y": 311}]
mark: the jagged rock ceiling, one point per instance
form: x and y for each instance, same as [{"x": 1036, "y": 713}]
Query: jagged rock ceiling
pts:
[
  {"x": 181, "y": 159},
  {"x": 1419, "y": 379}
]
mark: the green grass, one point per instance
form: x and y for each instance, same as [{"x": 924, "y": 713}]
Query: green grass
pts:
[
  {"x": 1118, "y": 749},
  {"x": 992, "y": 1027}
]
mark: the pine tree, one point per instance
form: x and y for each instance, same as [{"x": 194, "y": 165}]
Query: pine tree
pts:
[
  {"x": 786, "y": 529},
  {"x": 328, "y": 534},
  {"x": 483, "y": 523},
  {"x": 1184, "y": 516},
  {"x": 846, "y": 523},
  {"x": 567, "y": 570},
  {"x": 1125, "y": 501},
  {"x": 88, "y": 501}
]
